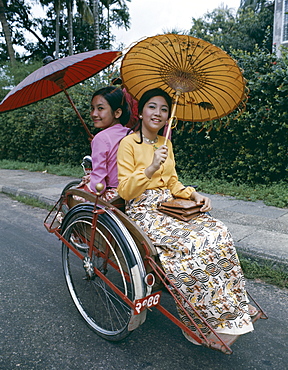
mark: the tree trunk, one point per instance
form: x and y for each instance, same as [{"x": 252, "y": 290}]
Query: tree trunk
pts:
[
  {"x": 108, "y": 23},
  {"x": 96, "y": 23},
  {"x": 57, "y": 29},
  {"x": 7, "y": 34},
  {"x": 70, "y": 25}
]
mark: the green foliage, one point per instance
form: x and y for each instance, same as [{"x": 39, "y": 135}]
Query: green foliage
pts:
[
  {"x": 62, "y": 169},
  {"x": 48, "y": 131},
  {"x": 251, "y": 149},
  {"x": 256, "y": 5},
  {"x": 31, "y": 202},
  {"x": 242, "y": 30},
  {"x": 11, "y": 76},
  {"x": 22, "y": 22},
  {"x": 274, "y": 194},
  {"x": 265, "y": 271}
]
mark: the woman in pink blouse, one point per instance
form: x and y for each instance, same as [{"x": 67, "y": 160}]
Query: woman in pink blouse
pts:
[{"x": 109, "y": 112}]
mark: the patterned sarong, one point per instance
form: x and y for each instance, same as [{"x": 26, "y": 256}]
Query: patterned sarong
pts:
[{"x": 200, "y": 258}]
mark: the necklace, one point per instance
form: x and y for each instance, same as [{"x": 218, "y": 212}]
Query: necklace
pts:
[{"x": 150, "y": 141}]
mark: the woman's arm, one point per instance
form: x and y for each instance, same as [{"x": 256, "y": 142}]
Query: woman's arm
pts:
[{"x": 99, "y": 162}]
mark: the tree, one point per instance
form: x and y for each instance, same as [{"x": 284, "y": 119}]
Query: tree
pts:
[
  {"x": 7, "y": 33},
  {"x": 84, "y": 10},
  {"x": 69, "y": 5},
  {"x": 59, "y": 5},
  {"x": 22, "y": 19},
  {"x": 243, "y": 30},
  {"x": 96, "y": 23},
  {"x": 117, "y": 12},
  {"x": 61, "y": 31},
  {"x": 255, "y": 5}
]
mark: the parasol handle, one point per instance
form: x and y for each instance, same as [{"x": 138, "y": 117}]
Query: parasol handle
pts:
[
  {"x": 78, "y": 114},
  {"x": 178, "y": 94}
]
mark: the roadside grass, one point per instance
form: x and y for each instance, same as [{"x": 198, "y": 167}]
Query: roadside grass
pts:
[
  {"x": 30, "y": 201},
  {"x": 275, "y": 194},
  {"x": 264, "y": 271},
  {"x": 60, "y": 169}
]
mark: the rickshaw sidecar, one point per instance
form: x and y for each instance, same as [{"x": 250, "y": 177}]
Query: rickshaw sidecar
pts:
[{"x": 112, "y": 269}]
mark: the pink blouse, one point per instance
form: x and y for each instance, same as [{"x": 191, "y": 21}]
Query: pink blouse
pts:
[{"x": 104, "y": 156}]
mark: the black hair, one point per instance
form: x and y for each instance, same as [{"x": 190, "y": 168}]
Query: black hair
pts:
[
  {"x": 116, "y": 81},
  {"x": 48, "y": 59},
  {"x": 149, "y": 94},
  {"x": 115, "y": 99}
]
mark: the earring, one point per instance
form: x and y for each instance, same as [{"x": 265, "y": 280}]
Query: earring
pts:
[{"x": 140, "y": 116}]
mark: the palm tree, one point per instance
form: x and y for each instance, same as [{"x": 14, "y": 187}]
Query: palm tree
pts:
[
  {"x": 57, "y": 5},
  {"x": 69, "y": 6},
  {"x": 95, "y": 6},
  {"x": 7, "y": 34},
  {"x": 82, "y": 8},
  {"x": 120, "y": 16},
  {"x": 117, "y": 12}
]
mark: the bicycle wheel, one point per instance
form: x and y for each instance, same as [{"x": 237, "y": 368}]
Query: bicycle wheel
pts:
[
  {"x": 104, "y": 311},
  {"x": 71, "y": 184}
]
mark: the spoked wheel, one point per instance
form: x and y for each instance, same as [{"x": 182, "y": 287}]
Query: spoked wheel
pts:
[{"x": 102, "y": 309}]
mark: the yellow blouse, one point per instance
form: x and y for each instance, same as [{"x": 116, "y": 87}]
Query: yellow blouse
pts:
[{"x": 134, "y": 158}]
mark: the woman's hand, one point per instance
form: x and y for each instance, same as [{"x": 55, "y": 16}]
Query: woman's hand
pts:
[
  {"x": 201, "y": 199},
  {"x": 160, "y": 156}
]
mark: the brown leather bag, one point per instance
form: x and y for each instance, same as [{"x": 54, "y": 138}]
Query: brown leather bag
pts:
[{"x": 182, "y": 209}]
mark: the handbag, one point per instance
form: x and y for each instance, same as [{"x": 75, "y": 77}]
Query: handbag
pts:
[{"x": 182, "y": 209}]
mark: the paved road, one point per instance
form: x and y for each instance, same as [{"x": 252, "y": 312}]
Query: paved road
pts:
[{"x": 41, "y": 329}]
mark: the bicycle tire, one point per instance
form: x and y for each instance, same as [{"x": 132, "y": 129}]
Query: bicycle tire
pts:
[
  {"x": 101, "y": 308},
  {"x": 70, "y": 185},
  {"x": 64, "y": 208}
]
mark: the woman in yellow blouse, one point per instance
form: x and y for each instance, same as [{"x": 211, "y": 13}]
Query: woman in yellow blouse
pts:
[{"x": 198, "y": 255}]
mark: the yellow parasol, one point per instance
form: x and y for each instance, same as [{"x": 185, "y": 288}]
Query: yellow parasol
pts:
[{"x": 205, "y": 82}]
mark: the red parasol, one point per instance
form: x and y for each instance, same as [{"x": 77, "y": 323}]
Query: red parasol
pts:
[{"x": 58, "y": 76}]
